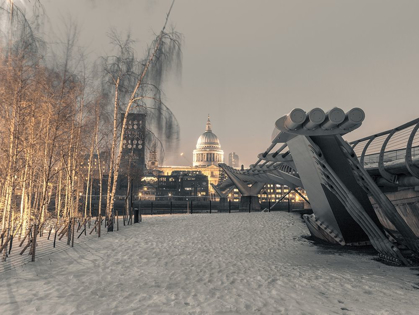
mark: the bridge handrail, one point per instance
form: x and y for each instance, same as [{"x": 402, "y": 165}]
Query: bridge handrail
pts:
[
  {"x": 399, "y": 135},
  {"x": 399, "y": 128},
  {"x": 406, "y": 138},
  {"x": 367, "y": 158}
]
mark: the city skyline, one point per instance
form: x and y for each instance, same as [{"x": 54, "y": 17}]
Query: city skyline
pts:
[
  {"x": 248, "y": 63},
  {"x": 209, "y": 157}
]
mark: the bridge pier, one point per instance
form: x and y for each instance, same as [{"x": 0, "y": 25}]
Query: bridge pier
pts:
[
  {"x": 249, "y": 203},
  {"x": 249, "y": 191},
  {"x": 223, "y": 204}
]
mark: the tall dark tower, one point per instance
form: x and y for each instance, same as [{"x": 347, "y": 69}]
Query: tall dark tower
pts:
[
  {"x": 153, "y": 162},
  {"x": 133, "y": 150}
]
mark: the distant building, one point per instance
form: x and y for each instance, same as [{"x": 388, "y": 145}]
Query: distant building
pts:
[
  {"x": 233, "y": 160},
  {"x": 211, "y": 172},
  {"x": 132, "y": 165},
  {"x": 103, "y": 158},
  {"x": 208, "y": 149},
  {"x": 148, "y": 186},
  {"x": 95, "y": 172},
  {"x": 153, "y": 161},
  {"x": 234, "y": 195},
  {"x": 274, "y": 192},
  {"x": 133, "y": 149},
  {"x": 181, "y": 185},
  {"x": 206, "y": 157}
]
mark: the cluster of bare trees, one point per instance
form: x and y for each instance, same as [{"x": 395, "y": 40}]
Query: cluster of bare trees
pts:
[{"x": 60, "y": 120}]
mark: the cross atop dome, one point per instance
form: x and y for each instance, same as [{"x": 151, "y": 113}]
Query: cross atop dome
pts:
[{"x": 208, "y": 128}]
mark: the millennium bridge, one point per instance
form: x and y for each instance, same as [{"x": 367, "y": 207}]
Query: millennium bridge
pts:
[{"x": 364, "y": 192}]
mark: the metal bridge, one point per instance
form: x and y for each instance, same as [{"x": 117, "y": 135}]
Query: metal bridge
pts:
[{"x": 362, "y": 192}]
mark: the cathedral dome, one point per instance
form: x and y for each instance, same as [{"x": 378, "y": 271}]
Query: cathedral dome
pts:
[
  {"x": 208, "y": 149},
  {"x": 208, "y": 140}
]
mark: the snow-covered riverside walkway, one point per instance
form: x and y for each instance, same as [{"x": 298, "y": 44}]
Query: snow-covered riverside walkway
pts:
[{"x": 209, "y": 264}]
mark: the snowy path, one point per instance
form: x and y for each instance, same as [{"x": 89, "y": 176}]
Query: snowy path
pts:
[{"x": 204, "y": 264}]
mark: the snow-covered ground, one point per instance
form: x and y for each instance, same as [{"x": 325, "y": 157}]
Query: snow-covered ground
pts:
[{"x": 209, "y": 264}]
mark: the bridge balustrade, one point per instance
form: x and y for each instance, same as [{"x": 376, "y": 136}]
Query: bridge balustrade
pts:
[{"x": 386, "y": 149}]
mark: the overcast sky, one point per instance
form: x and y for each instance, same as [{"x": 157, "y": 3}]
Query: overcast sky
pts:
[{"x": 247, "y": 63}]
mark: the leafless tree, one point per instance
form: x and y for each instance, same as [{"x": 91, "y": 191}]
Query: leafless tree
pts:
[
  {"x": 137, "y": 86},
  {"x": 55, "y": 113}
]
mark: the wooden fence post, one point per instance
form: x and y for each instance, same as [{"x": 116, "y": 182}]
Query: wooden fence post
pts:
[
  {"x": 117, "y": 220},
  {"x": 55, "y": 237},
  {"x": 11, "y": 243},
  {"x": 72, "y": 236},
  {"x": 70, "y": 223},
  {"x": 100, "y": 225},
  {"x": 35, "y": 232}
]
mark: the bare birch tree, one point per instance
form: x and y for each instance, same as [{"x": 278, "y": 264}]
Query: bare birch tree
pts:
[{"x": 137, "y": 84}]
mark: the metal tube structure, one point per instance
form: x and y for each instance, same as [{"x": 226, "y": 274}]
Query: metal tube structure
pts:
[
  {"x": 334, "y": 117},
  {"x": 279, "y": 150},
  {"x": 295, "y": 119},
  {"x": 353, "y": 118},
  {"x": 257, "y": 162},
  {"x": 315, "y": 117},
  {"x": 268, "y": 150}
]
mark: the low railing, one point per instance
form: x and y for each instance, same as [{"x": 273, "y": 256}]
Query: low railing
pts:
[
  {"x": 390, "y": 156},
  {"x": 398, "y": 143}
]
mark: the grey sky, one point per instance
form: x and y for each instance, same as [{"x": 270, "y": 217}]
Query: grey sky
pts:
[{"x": 247, "y": 63}]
